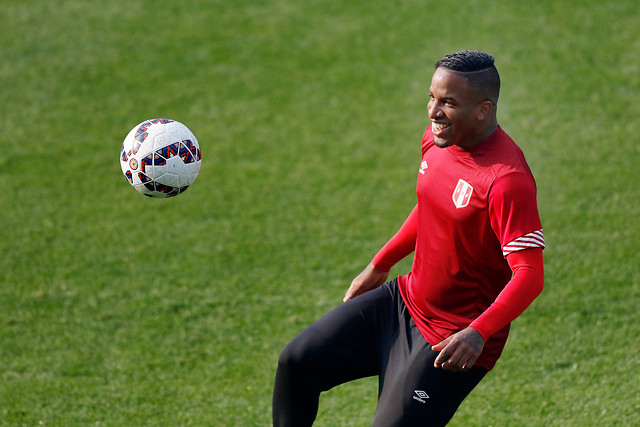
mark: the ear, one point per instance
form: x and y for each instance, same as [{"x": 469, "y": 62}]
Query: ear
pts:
[{"x": 484, "y": 110}]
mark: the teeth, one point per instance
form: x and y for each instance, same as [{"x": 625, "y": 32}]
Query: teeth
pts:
[{"x": 438, "y": 127}]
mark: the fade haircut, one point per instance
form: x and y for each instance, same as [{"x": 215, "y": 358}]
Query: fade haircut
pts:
[{"x": 479, "y": 70}]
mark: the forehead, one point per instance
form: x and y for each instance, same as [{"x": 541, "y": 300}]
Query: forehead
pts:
[{"x": 449, "y": 83}]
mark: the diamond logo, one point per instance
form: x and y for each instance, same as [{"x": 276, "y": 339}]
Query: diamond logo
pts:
[{"x": 420, "y": 396}]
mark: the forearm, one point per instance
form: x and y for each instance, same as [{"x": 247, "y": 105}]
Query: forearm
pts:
[
  {"x": 400, "y": 245},
  {"x": 525, "y": 285}
]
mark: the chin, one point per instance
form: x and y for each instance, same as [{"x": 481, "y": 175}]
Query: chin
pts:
[{"x": 441, "y": 143}]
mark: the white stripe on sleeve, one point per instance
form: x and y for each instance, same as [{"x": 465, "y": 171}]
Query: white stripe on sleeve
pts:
[{"x": 532, "y": 240}]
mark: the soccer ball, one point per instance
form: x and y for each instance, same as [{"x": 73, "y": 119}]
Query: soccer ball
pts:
[{"x": 160, "y": 158}]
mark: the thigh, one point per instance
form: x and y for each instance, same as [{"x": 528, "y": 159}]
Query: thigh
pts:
[
  {"x": 415, "y": 393},
  {"x": 343, "y": 344}
]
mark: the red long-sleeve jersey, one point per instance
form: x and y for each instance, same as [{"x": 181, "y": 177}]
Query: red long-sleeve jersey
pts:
[{"x": 478, "y": 242}]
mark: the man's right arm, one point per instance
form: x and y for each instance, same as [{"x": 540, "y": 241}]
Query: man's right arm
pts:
[{"x": 399, "y": 246}]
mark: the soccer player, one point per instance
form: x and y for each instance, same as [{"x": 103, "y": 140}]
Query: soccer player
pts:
[{"x": 432, "y": 334}]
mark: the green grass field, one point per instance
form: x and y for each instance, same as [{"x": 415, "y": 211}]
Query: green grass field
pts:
[{"x": 120, "y": 310}]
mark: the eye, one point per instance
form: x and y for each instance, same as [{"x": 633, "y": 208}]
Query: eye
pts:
[{"x": 431, "y": 101}]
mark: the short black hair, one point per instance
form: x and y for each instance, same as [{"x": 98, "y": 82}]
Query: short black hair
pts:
[
  {"x": 478, "y": 68},
  {"x": 466, "y": 61}
]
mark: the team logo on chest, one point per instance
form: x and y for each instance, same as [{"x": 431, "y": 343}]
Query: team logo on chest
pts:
[{"x": 462, "y": 194}]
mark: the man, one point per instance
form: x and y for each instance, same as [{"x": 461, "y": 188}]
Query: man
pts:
[{"x": 433, "y": 334}]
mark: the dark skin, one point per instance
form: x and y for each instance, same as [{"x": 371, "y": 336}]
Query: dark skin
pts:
[
  {"x": 464, "y": 117},
  {"x": 460, "y": 114},
  {"x": 460, "y": 351}
]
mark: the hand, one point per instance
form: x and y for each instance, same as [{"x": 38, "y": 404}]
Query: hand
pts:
[
  {"x": 460, "y": 351},
  {"x": 370, "y": 278}
]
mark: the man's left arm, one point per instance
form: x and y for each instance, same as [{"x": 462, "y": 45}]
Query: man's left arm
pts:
[{"x": 460, "y": 351}]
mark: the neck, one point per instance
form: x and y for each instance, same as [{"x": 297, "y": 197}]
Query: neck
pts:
[{"x": 480, "y": 136}]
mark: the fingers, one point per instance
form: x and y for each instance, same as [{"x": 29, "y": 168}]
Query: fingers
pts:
[
  {"x": 449, "y": 359},
  {"x": 441, "y": 359},
  {"x": 459, "y": 352},
  {"x": 456, "y": 353},
  {"x": 349, "y": 294},
  {"x": 370, "y": 278},
  {"x": 445, "y": 353},
  {"x": 355, "y": 289},
  {"x": 441, "y": 345},
  {"x": 457, "y": 362},
  {"x": 454, "y": 360}
]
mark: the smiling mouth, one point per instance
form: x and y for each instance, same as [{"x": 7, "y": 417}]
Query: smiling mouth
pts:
[{"x": 438, "y": 128}]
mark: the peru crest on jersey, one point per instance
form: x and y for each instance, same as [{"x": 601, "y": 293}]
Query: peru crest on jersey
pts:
[{"x": 462, "y": 194}]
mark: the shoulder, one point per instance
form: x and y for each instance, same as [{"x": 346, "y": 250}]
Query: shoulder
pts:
[
  {"x": 514, "y": 183},
  {"x": 507, "y": 159}
]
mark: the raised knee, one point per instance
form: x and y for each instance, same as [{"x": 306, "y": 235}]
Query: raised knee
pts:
[{"x": 292, "y": 356}]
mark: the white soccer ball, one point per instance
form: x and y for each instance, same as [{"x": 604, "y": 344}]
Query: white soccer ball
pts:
[{"x": 160, "y": 158}]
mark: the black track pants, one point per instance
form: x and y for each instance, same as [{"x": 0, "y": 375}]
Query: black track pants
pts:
[{"x": 372, "y": 334}]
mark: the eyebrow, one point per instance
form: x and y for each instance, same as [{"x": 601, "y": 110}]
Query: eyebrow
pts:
[{"x": 444, "y": 98}]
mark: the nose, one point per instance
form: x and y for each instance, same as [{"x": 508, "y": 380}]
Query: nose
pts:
[{"x": 434, "y": 110}]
